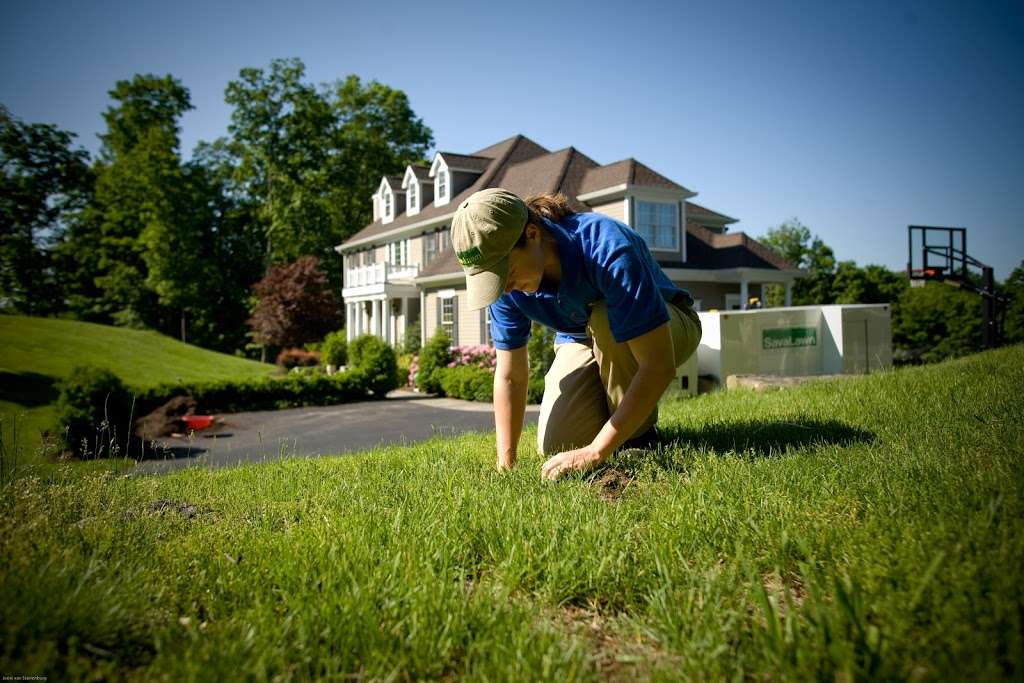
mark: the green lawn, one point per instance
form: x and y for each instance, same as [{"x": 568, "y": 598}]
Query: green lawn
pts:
[
  {"x": 36, "y": 352},
  {"x": 863, "y": 529}
]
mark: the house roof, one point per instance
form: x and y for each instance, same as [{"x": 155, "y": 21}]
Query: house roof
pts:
[
  {"x": 472, "y": 162},
  {"x": 395, "y": 181},
  {"x": 707, "y": 249},
  {"x": 698, "y": 212},
  {"x": 421, "y": 172},
  {"x": 626, "y": 172},
  {"x": 520, "y": 165},
  {"x": 444, "y": 264}
]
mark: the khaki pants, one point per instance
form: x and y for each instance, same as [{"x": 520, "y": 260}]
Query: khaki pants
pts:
[{"x": 587, "y": 381}]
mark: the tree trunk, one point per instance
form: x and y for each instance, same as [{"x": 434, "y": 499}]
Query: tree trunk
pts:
[{"x": 183, "y": 324}]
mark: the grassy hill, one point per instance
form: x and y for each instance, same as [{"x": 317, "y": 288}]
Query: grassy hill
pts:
[
  {"x": 865, "y": 529},
  {"x": 36, "y": 352}
]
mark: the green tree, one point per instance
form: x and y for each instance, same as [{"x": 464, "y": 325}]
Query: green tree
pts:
[
  {"x": 871, "y": 284},
  {"x": 44, "y": 181},
  {"x": 139, "y": 186},
  {"x": 794, "y": 242},
  {"x": 1014, "y": 289},
  {"x": 936, "y": 322},
  {"x": 235, "y": 239},
  {"x": 309, "y": 158}
]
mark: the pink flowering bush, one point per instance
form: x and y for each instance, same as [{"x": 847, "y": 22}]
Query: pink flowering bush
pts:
[
  {"x": 478, "y": 355},
  {"x": 414, "y": 367}
]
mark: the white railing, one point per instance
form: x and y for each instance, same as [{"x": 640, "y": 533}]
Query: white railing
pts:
[{"x": 379, "y": 274}]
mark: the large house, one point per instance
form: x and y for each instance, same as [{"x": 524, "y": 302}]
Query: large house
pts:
[{"x": 401, "y": 267}]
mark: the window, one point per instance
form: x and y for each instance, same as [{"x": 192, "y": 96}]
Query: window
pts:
[
  {"x": 387, "y": 205},
  {"x": 412, "y": 197},
  {"x": 434, "y": 243},
  {"x": 442, "y": 184},
  {"x": 658, "y": 224},
  {"x": 429, "y": 247},
  {"x": 448, "y": 317},
  {"x": 398, "y": 253},
  {"x": 369, "y": 256}
]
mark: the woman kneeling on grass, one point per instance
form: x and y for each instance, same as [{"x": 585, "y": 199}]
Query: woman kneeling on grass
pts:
[{"x": 622, "y": 326}]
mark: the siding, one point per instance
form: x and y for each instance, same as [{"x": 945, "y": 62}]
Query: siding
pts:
[
  {"x": 616, "y": 210},
  {"x": 429, "y": 316},
  {"x": 469, "y": 321},
  {"x": 416, "y": 250}
]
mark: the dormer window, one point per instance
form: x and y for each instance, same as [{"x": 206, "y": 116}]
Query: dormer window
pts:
[
  {"x": 442, "y": 185},
  {"x": 389, "y": 206},
  {"x": 412, "y": 199},
  {"x": 441, "y": 174}
]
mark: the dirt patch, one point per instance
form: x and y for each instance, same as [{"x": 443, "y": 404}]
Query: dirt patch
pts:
[
  {"x": 186, "y": 510},
  {"x": 618, "y": 654},
  {"x": 789, "y": 591},
  {"x": 166, "y": 419},
  {"x": 611, "y": 483}
]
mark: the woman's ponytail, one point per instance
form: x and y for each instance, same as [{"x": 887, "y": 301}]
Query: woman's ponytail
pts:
[{"x": 554, "y": 207}]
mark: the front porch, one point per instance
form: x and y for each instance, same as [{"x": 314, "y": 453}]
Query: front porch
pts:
[{"x": 385, "y": 315}]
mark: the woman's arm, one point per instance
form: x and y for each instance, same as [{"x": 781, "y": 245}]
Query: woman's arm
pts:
[
  {"x": 654, "y": 354},
  {"x": 510, "y": 381}
]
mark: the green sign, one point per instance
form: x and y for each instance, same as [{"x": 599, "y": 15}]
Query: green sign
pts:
[{"x": 788, "y": 337}]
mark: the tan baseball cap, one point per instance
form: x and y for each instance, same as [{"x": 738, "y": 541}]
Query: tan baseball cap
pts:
[{"x": 485, "y": 228}]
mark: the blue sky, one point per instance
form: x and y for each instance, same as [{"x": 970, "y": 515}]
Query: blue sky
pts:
[{"x": 857, "y": 118}]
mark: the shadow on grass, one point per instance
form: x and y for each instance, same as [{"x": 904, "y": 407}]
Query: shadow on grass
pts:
[
  {"x": 29, "y": 389},
  {"x": 764, "y": 437},
  {"x": 748, "y": 438}
]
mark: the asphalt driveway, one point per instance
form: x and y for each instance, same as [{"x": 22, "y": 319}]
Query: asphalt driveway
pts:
[{"x": 258, "y": 436}]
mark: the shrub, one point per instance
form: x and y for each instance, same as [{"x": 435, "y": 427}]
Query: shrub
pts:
[
  {"x": 411, "y": 343},
  {"x": 435, "y": 355},
  {"x": 261, "y": 393},
  {"x": 94, "y": 413},
  {"x": 405, "y": 362},
  {"x": 541, "y": 350},
  {"x": 297, "y": 358},
  {"x": 334, "y": 348},
  {"x": 535, "y": 390},
  {"x": 376, "y": 360},
  {"x": 468, "y": 382},
  {"x": 934, "y": 323}
]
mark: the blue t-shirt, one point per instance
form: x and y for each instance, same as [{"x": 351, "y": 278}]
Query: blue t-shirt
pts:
[{"x": 601, "y": 258}]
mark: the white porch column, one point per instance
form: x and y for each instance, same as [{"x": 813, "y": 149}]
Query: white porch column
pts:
[
  {"x": 386, "y": 318},
  {"x": 423, "y": 318},
  {"x": 744, "y": 294},
  {"x": 405, "y": 321},
  {"x": 350, "y": 320},
  {"x": 373, "y": 317},
  {"x": 789, "y": 293}
]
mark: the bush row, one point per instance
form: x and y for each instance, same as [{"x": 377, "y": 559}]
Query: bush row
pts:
[{"x": 95, "y": 408}]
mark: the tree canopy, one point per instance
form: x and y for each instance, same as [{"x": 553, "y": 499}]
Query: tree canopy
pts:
[{"x": 44, "y": 180}]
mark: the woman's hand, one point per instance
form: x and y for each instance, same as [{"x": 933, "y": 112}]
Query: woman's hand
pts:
[{"x": 579, "y": 460}]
